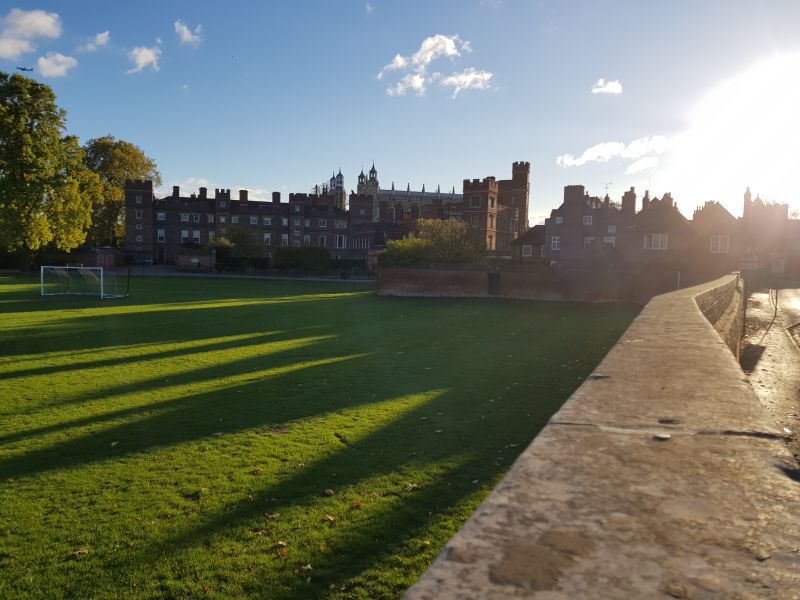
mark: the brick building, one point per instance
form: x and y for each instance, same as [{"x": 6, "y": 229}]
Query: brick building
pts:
[{"x": 347, "y": 226}]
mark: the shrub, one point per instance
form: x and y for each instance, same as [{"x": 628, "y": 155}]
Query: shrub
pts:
[{"x": 408, "y": 251}]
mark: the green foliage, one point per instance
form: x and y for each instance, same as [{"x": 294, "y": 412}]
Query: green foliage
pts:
[
  {"x": 452, "y": 241},
  {"x": 161, "y": 445},
  {"x": 219, "y": 243},
  {"x": 244, "y": 242},
  {"x": 306, "y": 259},
  {"x": 114, "y": 161},
  {"x": 436, "y": 241},
  {"x": 408, "y": 251},
  {"x": 46, "y": 192}
]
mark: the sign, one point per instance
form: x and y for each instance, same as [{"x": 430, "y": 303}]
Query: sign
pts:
[
  {"x": 749, "y": 260},
  {"x": 778, "y": 262}
]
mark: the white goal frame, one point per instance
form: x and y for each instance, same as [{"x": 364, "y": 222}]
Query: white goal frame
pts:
[{"x": 97, "y": 272}]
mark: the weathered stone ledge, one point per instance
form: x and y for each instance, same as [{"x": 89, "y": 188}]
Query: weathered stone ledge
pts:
[{"x": 662, "y": 476}]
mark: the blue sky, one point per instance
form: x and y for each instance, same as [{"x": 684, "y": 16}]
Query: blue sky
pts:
[{"x": 273, "y": 96}]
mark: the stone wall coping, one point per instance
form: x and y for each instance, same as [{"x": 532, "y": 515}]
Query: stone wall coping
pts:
[{"x": 661, "y": 476}]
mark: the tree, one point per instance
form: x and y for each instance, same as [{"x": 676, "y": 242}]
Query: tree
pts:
[
  {"x": 45, "y": 190},
  {"x": 244, "y": 242},
  {"x": 114, "y": 161},
  {"x": 452, "y": 241}
]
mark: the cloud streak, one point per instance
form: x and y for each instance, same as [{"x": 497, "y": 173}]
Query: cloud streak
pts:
[
  {"x": 468, "y": 79},
  {"x": 99, "y": 41},
  {"x": 19, "y": 28},
  {"x": 607, "y": 87},
  {"x": 606, "y": 151}
]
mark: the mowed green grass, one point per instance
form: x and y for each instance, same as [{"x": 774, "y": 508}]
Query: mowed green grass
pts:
[{"x": 178, "y": 443}]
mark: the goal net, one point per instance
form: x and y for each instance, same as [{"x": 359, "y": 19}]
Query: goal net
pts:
[{"x": 82, "y": 281}]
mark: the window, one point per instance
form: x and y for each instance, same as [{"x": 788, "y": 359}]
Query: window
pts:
[
  {"x": 284, "y": 239},
  {"x": 588, "y": 241},
  {"x": 184, "y": 236},
  {"x": 196, "y": 236},
  {"x": 297, "y": 221},
  {"x": 184, "y": 217},
  {"x": 138, "y": 238},
  {"x": 306, "y": 240},
  {"x": 138, "y": 199},
  {"x": 138, "y": 226},
  {"x": 138, "y": 213},
  {"x": 455, "y": 216},
  {"x": 223, "y": 219},
  {"x": 655, "y": 241},
  {"x": 491, "y": 201},
  {"x": 475, "y": 202},
  {"x": 527, "y": 250},
  {"x": 476, "y": 220},
  {"x": 341, "y": 242},
  {"x": 719, "y": 244},
  {"x": 555, "y": 243},
  {"x": 161, "y": 216},
  {"x": 210, "y": 218},
  {"x": 267, "y": 221},
  {"x": 161, "y": 235},
  {"x": 196, "y": 217},
  {"x": 541, "y": 250},
  {"x": 490, "y": 243},
  {"x": 210, "y": 235},
  {"x": 234, "y": 219},
  {"x": 307, "y": 222},
  {"x": 323, "y": 223},
  {"x": 612, "y": 229},
  {"x": 341, "y": 224},
  {"x": 285, "y": 222},
  {"x": 559, "y": 220},
  {"x": 253, "y": 220},
  {"x": 267, "y": 239},
  {"x": 297, "y": 209},
  {"x": 610, "y": 240},
  {"x": 222, "y": 203},
  {"x": 491, "y": 221},
  {"x": 322, "y": 241},
  {"x": 587, "y": 219},
  {"x": 296, "y": 243}
]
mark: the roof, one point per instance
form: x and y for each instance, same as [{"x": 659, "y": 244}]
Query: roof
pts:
[{"x": 534, "y": 236}]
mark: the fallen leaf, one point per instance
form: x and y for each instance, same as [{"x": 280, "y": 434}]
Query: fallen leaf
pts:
[
  {"x": 81, "y": 551},
  {"x": 283, "y": 553},
  {"x": 114, "y": 444},
  {"x": 329, "y": 518},
  {"x": 260, "y": 532},
  {"x": 411, "y": 487},
  {"x": 306, "y": 568},
  {"x": 357, "y": 504},
  {"x": 280, "y": 543},
  {"x": 271, "y": 516},
  {"x": 256, "y": 471},
  {"x": 328, "y": 492}
]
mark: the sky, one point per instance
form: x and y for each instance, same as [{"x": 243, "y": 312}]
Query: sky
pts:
[{"x": 699, "y": 99}]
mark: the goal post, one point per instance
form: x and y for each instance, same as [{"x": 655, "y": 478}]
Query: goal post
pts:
[{"x": 80, "y": 281}]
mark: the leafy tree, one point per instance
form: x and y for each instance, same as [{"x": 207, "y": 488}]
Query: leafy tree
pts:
[
  {"x": 244, "y": 242},
  {"x": 407, "y": 251},
  {"x": 115, "y": 161},
  {"x": 45, "y": 190},
  {"x": 452, "y": 241}
]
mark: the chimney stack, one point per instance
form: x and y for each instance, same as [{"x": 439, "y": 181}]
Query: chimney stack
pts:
[
  {"x": 276, "y": 197},
  {"x": 176, "y": 191},
  {"x": 203, "y": 193},
  {"x": 242, "y": 195}
]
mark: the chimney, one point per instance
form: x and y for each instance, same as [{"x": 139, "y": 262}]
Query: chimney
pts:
[
  {"x": 176, "y": 191},
  {"x": 629, "y": 202},
  {"x": 667, "y": 199},
  {"x": 203, "y": 193},
  {"x": 242, "y": 195},
  {"x": 276, "y": 197},
  {"x": 646, "y": 200}
]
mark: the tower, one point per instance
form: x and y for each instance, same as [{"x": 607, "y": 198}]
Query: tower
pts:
[
  {"x": 370, "y": 187},
  {"x": 521, "y": 190}
]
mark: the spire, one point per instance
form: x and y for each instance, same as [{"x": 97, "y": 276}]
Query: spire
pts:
[
  {"x": 423, "y": 188},
  {"x": 408, "y": 187},
  {"x": 454, "y": 191},
  {"x": 393, "y": 186}
]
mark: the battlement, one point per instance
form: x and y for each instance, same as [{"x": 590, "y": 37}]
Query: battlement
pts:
[
  {"x": 521, "y": 167},
  {"x": 222, "y": 194},
  {"x": 481, "y": 185},
  {"x": 139, "y": 184}
]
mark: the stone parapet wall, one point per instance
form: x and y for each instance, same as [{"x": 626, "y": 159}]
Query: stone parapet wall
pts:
[{"x": 662, "y": 476}]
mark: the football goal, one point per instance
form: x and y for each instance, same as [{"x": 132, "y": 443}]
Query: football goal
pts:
[{"x": 83, "y": 281}]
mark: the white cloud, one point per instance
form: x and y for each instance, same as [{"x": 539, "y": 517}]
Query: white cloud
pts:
[
  {"x": 643, "y": 164},
  {"x": 187, "y": 36},
  {"x": 19, "y": 27},
  {"x": 607, "y": 87},
  {"x": 468, "y": 79},
  {"x": 143, "y": 57},
  {"x": 369, "y": 6},
  {"x": 55, "y": 64},
  {"x": 100, "y": 40},
  {"x": 185, "y": 87},
  {"x": 606, "y": 151},
  {"x": 416, "y": 66}
]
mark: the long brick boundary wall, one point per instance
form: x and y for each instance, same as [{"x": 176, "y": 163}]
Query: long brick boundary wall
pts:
[{"x": 662, "y": 476}]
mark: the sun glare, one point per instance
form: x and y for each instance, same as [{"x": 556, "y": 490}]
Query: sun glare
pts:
[{"x": 745, "y": 132}]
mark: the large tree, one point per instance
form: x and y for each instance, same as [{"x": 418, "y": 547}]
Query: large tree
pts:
[
  {"x": 46, "y": 192},
  {"x": 114, "y": 161}
]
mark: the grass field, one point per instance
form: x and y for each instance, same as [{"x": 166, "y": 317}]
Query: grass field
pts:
[{"x": 179, "y": 443}]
